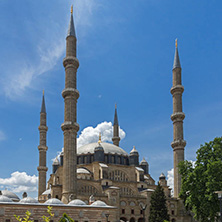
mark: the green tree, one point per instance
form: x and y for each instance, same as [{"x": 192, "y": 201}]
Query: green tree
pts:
[
  {"x": 28, "y": 215},
  {"x": 158, "y": 208},
  {"x": 66, "y": 218},
  {"x": 201, "y": 180}
]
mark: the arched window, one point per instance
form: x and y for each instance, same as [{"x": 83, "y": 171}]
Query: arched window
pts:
[
  {"x": 118, "y": 175},
  {"x": 87, "y": 190},
  {"x": 126, "y": 191},
  {"x": 132, "y": 219}
]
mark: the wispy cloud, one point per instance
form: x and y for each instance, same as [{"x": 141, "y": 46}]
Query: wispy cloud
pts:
[
  {"x": 19, "y": 182},
  {"x": 2, "y": 135},
  {"x": 25, "y": 76}
]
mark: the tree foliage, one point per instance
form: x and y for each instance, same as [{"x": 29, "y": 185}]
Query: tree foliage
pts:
[
  {"x": 199, "y": 182},
  {"x": 28, "y": 215},
  {"x": 158, "y": 207},
  {"x": 66, "y": 218}
]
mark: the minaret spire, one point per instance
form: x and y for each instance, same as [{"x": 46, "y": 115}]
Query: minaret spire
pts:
[
  {"x": 42, "y": 168},
  {"x": 177, "y": 117},
  {"x": 43, "y": 109},
  {"x": 176, "y": 63},
  {"x": 70, "y": 127},
  {"x": 71, "y": 30},
  {"x": 116, "y": 137}
]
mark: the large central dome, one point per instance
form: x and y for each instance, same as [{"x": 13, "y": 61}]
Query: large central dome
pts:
[{"x": 108, "y": 148}]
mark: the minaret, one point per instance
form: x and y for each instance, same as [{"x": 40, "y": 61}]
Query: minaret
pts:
[
  {"x": 70, "y": 127},
  {"x": 116, "y": 137},
  {"x": 42, "y": 149},
  {"x": 177, "y": 117}
]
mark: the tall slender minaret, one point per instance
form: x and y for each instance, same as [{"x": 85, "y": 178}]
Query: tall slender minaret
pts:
[
  {"x": 116, "y": 137},
  {"x": 177, "y": 117},
  {"x": 42, "y": 149},
  {"x": 70, "y": 127}
]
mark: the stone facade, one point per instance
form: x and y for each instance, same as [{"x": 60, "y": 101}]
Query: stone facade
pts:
[{"x": 80, "y": 213}]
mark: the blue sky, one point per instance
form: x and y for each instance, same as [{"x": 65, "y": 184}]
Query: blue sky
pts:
[{"x": 126, "y": 51}]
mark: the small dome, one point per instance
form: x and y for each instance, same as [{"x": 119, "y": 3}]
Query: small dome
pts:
[
  {"x": 55, "y": 161},
  {"x": 162, "y": 176},
  {"x": 77, "y": 202},
  {"x": 10, "y": 195},
  {"x": 54, "y": 201},
  {"x": 99, "y": 203},
  {"x": 28, "y": 200},
  {"x": 143, "y": 162},
  {"x": 83, "y": 170},
  {"x": 4, "y": 199},
  {"x": 99, "y": 148},
  {"x": 47, "y": 192},
  {"x": 134, "y": 151}
]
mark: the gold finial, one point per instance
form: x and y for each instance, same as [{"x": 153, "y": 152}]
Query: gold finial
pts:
[
  {"x": 43, "y": 92},
  {"x": 72, "y": 9},
  {"x": 115, "y": 106},
  {"x": 176, "y": 43},
  {"x": 99, "y": 138}
]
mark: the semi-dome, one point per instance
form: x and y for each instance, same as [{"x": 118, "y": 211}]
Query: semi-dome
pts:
[
  {"x": 46, "y": 192},
  {"x": 108, "y": 148},
  {"x": 83, "y": 170},
  {"x": 54, "y": 201},
  {"x": 4, "y": 199},
  {"x": 10, "y": 195},
  {"x": 99, "y": 203},
  {"x": 28, "y": 200},
  {"x": 77, "y": 202}
]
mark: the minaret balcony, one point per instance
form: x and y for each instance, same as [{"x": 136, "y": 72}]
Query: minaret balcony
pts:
[
  {"x": 178, "y": 144},
  {"x": 42, "y": 148},
  {"x": 43, "y": 128},
  {"x": 70, "y": 92},
  {"x": 69, "y": 125},
  {"x": 42, "y": 168},
  {"x": 177, "y": 89},
  {"x": 179, "y": 116},
  {"x": 71, "y": 60}
]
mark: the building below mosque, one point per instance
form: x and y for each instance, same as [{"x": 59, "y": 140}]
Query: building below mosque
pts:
[{"x": 98, "y": 181}]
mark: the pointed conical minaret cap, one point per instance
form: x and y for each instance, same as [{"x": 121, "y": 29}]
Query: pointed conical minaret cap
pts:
[
  {"x": 115, "y": 117},
  {"x": 43, "y": 109},
  {"x": 176, "y": 63},
  {"x": 71, "y": 30}
]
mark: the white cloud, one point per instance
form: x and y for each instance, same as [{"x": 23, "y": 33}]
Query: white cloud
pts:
[
  {"x": 91, "y": 135},
  {"x": 2, "y": 136},
  {"x": 83, "y": 11},
  {"x": 19, "y": 182},
  {"x": 170, "y": 179},
  {"x": 170, "y": 176}
]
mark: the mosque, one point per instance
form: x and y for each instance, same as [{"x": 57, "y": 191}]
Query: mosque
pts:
[{"x": 98, "y": 181}]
